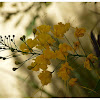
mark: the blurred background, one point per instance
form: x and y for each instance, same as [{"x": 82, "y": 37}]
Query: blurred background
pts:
[{"x": 19, "y": 18}]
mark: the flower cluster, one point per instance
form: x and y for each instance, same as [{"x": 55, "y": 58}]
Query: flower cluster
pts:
[
  {"x": 89, "y": 60},
  {"x": 44, "y": 41},
  {"x": 65, "y": 71},
  {"x": 79, "y": 32},
  {"x": 43, "y": 50},
  {"x": 60, "y": 29}
]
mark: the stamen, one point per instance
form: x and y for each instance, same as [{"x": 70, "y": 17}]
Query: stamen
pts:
[
  {"x": 14, "y": 69},
  {"x": 14, "y": 43},
  {"x": 7, "y": 42},
  {"x": 10, "y": 41}
]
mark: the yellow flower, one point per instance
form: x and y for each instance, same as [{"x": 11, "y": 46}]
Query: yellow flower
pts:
[
  {"x": 43, "y": 66},
  {"x": 63, "y": 51},
  {"x": 39, "y": 63},
  {"x": 64, "y": 71},
  {"x": 44, "y": 40},
  {"x": 59, "y": 55},
  {"x": 76, "y": 45},
  {"x": 60, "y": 29},
  {"x": 30, "y": 43},
  {"x": 28, "y": 46},
  {"x": 79, "y": 32},
  {"x": 91, "y": 56},
  {"x": 49, "y": 54},
  {"x": 89, "y": 60},
  {"x": 42, "y": 60},
  {"x": 44, "y": 28},
  {"x": 72, "y": 81},
  {"x": 64, "y": 48},
  {"x": 67, "y": 65},
  {"x": 23, "y": 47},
  {"x": 36, "y": 67},
  {"x": 45, "y": 77},
  {"x": 87, "y": 64}
]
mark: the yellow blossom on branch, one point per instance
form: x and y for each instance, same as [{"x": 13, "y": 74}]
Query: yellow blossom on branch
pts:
[
  {"x": 24, "y": 47},
  {"x": 76, "y": 45},
  {"x": 40, "y": 63},
  {"x": 44, "y": 28},
  {"x": 62, "y": 53},
  {"x": 45, "y": 77},
  {"x": 60, "y": 29},
  {"x": 28, "y": 45},
  {"x": 59, "y": 55},
  {"x": 91, "y": 56},
  {"x": 42, "y": 60},
  {"x": 72, "y": 81},
  {"x": 79, "y": 32},
  {"x": 87, "y": 64},
  {"x": 88, "y": 60},
  {"x": 64, "y": 71},
  {"x": 49, "y": 54},
  {"x": 64, "y": 48},
  {"x": 44, "y": 40},
  {"x": 36, "y": 67}
]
